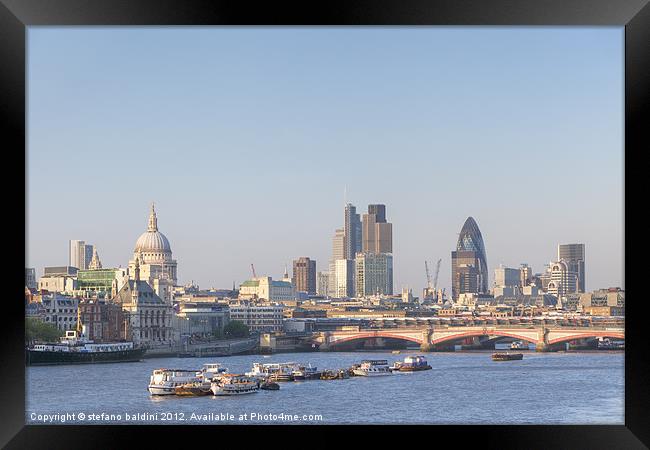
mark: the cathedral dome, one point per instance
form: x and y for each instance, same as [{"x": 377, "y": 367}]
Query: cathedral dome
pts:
[{"x": 152, "y": 240}]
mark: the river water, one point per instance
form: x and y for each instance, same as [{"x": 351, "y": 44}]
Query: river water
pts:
[{"x": 462, "y": 388}]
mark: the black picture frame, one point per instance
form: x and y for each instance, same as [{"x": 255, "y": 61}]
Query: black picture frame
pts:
[{"x": 16, "y": 15}]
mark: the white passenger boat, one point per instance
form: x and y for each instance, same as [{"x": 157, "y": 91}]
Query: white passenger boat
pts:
[
  {"x": 373, "y": 368},
  {"x": 272, "y": 371},
  {"x": 234, "y": 384},
  {"x": 165, "y": 381},
  {"x": 211, "y": 370}
]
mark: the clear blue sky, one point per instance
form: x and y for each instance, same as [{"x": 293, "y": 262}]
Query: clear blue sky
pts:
[{"x": 246, "y": 137}]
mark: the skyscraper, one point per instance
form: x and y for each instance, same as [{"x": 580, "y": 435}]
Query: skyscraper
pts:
[
  {"x": 377, "y": 234},
  {"x": 304, "y": 275},
  {"x": 338, "y": 252},
  {"x": 374, "y": 274},
  {"x": 352, "y": 231},
  {"x": 563, "y": 280},
  {"x": 469, "y": 261},
  {"x": 80, "y": 254},
  {"x": 574, "y": 256}
]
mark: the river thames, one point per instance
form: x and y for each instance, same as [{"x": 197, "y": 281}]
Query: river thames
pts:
[{"x": 462, "y": 388}]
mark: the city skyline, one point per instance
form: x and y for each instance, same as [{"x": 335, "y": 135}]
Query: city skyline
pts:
[{"x": 227, "y": 195}]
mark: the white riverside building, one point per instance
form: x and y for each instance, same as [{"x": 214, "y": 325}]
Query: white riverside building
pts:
[
  {"x": 258, "y": 317},
  {"x": 265, "y": 288}
]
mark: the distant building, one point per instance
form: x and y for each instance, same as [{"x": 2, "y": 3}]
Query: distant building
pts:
[
  {"x": 525, "y": 275},
  {"x": 265, "y": 288},
  {"x": 603, "y": 297},
  {"x": 93, "y": 282},
  {"x": 574, "y": 256},
  {"x": 338, "y": 252},
  {"x": 377, "y": 234},
  {"x": 103, "y": 321},
  {"x": 154, "y": 255},
  {"x": 323, "y": 284},
  {"x": 263, "y": 318},
  {"x": 202, "y": 318},
  {"x": 373, "y": 274},
  {"x": 562, "y": 280},
  {"x": 30, "y": 277},
  {"x": 149, "y": 316},
  {"x": 57, "y": 283},
  {"x": 507, "y": 281},
  {"x": 80, "y": 254},
  {"x": 60, "y": 270},
  {"x": 352, "y": 231},
  {"x": 304, "y": 275},
  {"x": 469, "y": 261},
  {"x": 344, "y": 278},
  {"x": 60, "y": 310}
]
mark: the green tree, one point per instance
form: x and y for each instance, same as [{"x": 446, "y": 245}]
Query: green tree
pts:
[
  {"x": 36, "y": 330},
  {"x": 235, "y": 329}
]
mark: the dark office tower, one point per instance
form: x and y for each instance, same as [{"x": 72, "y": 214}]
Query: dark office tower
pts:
[
  {"x": 469, "y": 262},
  {"x": 574, "y": 256},
  {"x": 352, "y": 230},
  {"x": 377, "y": 234},
  {"x": 304, "y": 275},
  {"x": 379, "y": 211}
]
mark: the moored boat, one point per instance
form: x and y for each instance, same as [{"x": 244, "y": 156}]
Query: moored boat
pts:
[
  {"x": 269, "y": 386},
  {"x": 373, "y": 368},
  {"x": 519, "y": 345},
  {"x": 234, "y": 384},
  {"x": 193, "y": 389},
  {"x": 412, "y": 364},
  {"x": 165, "y": 381},
  {"x": 507, "y": 356},
  {"x": 74, "y": 349}
]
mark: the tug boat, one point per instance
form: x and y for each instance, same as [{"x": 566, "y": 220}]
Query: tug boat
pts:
[
  {"x": 269, "y": 386},
  {"x": 411, "y": 364},
  {"x": 507, "y": 356},
  {"x": 305, "y": 373},
  {"x": 165, "y": 381},
  {"x": 234, "y": 384},
  {"x": 373, "y": 368}
]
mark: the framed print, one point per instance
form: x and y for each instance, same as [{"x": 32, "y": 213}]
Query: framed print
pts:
[{"x": 364, "y": 214}]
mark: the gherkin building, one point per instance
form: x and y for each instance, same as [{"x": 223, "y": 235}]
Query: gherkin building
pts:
[{"x": 469, "y": 240}]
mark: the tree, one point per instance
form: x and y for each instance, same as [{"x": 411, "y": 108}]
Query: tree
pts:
[
  {"x": 235, "y": 328},
  {"x": 36, "y": 330}
]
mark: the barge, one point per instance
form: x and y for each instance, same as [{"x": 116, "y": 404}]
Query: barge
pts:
[{"x": 507, "y": 356}]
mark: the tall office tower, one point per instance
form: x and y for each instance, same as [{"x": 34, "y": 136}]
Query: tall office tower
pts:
[
  {"x": 525, "y": 275},
  {"x": 563, "y": 280},
  {"x": 304, "y": 275},
  {"x": 469, "y": 262},
  {"x": 80, "y": 254},
  {"x": 373, "y": 274},
  {"x": 30, "y": 277},
  {"x": 379, "y": 211},
  {"x": 344, "y": 278},
  {"x": 338, "y": 252},
  {"x": 377, "y": 234},
  {"x": 574, "y": 255},
  {"x": 352, "y": 229}
]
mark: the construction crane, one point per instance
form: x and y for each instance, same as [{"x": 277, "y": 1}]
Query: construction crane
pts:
[
  {"x": 253, "y": 269},
  {"x": 426, "y": 268},
  {"x": 435, "y": 278}
]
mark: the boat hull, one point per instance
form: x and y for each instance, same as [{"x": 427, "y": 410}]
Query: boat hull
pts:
[
  {"x": 507, "y": 357},
  {"x": 363, "y": 373},
  {"x": 46, "y": 358}
]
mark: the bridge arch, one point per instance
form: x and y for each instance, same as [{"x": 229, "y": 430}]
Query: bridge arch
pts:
[
  {"x": 362, "y": 336},
  {"x": 591, "y": 335},
  {"x": 477, "y": 333}
]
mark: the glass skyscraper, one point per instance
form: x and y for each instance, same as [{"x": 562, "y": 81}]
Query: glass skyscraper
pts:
[{"x": 469, "y": 261}]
